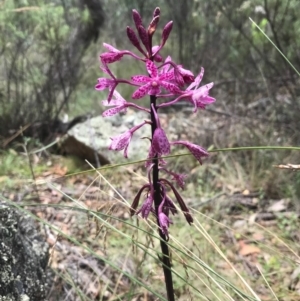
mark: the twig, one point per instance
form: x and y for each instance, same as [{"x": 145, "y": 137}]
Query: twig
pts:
[
  {"x": 19, "y": 132},
  {"x": 30, "y": 165},
  {"x": 288, "y": 166}
]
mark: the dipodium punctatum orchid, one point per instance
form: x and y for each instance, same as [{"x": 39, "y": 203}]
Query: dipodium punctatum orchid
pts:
[{"x": 164, "y": 79}]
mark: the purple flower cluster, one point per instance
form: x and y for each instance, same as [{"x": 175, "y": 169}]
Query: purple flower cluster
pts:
[{"x": 164, "y": 80}]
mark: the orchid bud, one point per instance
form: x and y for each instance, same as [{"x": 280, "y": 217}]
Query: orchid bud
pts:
[
  {"x": 156, "y": 12},
  {"x": 144, "y": 36},
  {"x": 134, "y": 40},
  {"x": 136, "y": 18},
  {"x": 166, "y": 32},
  {"x": 152, "y": 26}
]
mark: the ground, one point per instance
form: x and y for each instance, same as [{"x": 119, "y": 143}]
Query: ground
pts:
[{"x": 243, "y": 244}]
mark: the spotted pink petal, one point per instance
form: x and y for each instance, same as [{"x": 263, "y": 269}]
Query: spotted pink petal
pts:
[
  {"x": 140, "y": 79},
  {"x": 117, "y": 100},
  {"x": 160, "y": 142},
  {"x": 170, "y": 87},
  {"x": 208, "y": 100},
  {"x": 167, "y": 76},
  {"x": 146, "y": 207},
  {"x": 111, "y": 57},
  {"x": 104, "y": 83},
  {"x": 203, "y": 102},
  {"x": 142, "y": 91},
  {"x": 164, "y": 223},
  {"x": 197, "y": 151},
  {"x": 197, "y": 80},
  {"x": 151, "y": 68},
  {"x": 121, "y": 142},
  {"x": 113, "y": 111},
  {"x": 110, "y": 48},
  {"x": 201, "y": 92}
]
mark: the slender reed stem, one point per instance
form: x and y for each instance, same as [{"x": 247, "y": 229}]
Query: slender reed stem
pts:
[{"x": 165, "y": 258}]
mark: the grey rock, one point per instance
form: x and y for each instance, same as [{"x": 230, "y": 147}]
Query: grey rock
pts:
[
  {"x": 23, "y": 258},
  {"x": 93, "y": 135}
]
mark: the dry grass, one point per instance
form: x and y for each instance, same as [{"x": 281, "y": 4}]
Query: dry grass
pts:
[
  {"x": 98, "y": 252},
  {"x": 230, "y": 253}
]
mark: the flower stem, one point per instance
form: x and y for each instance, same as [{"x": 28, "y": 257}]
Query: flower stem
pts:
[{"x": 165, "y": 258}]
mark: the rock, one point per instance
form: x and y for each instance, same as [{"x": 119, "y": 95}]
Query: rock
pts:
[
  {"x": 93, "y": 137},
  {"x": 23, "y": 258}
]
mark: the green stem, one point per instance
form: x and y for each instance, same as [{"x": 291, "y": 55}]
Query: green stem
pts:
[{"x": 229, "y": 149}]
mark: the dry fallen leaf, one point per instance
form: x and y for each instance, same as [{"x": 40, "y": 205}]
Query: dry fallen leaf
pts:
[
  {"x": 59, "y": 170},
  {"x": 277, "y": 206},
  {"x": 258, "y": 236},
  {"x": 246, "y": 249}
]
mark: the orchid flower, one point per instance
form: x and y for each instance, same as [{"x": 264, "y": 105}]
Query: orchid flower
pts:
[{"x": 153, "y": 83}]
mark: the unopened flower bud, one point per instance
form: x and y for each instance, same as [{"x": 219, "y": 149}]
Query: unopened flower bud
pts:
[
  {"x": 166, "y": 32},
  {"x": 152, "y": 26},
  {"x": 144, "y": 36},
  {"x": 136, "y": 18},
  {"x": 134, "y": 40},
  {"x": 156, "y": 12}
]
